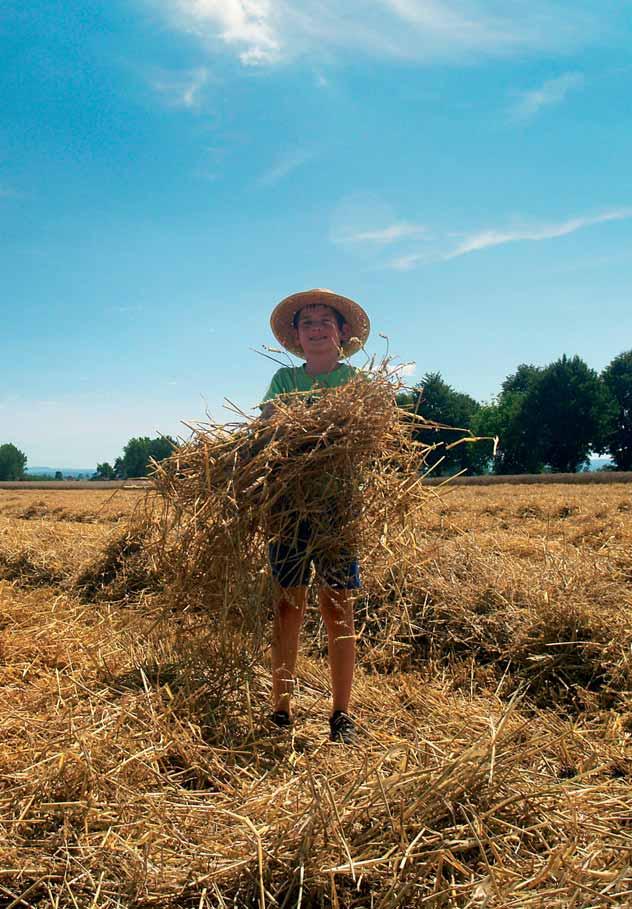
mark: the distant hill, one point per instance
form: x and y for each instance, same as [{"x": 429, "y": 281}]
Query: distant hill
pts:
[{"x": 66, "y": 471}]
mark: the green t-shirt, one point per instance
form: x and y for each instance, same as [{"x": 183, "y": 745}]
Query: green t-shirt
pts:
[{"x": 291, "y": 379}]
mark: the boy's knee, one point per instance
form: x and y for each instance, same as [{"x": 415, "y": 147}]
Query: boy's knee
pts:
[
  {"x": 337, "y": 611},
  {"x": 290, "y": 599}
]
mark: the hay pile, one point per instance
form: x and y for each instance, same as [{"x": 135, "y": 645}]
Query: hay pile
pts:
[
  {"x": 39, "y": 553},
  {"x": 345, "y": 461}
]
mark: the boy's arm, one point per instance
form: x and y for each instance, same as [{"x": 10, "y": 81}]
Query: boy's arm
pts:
[{"x": 267, "y": 410}]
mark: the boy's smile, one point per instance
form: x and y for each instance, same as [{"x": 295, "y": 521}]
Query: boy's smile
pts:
[{"x": 318, "y": 330}]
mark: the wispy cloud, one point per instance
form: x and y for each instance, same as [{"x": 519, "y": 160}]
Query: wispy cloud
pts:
[
  {"x": 549, "y": 94},
  {"x": 284, "y": 165},
  {"x": 410, "y": 260},
  {"x": 181, "y": 89},
  {"x": 491, "y": 237},
  {"x": 382, "y": 236},
  {"x": 264, "y": 32},
  {"x": 488, "y": 238}
]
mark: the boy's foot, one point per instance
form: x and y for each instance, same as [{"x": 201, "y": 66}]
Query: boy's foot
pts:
[
  {"x": 342, "y": 728},
  {"x": 281, "y": 718}
]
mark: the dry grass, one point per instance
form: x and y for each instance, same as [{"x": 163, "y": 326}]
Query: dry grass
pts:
[
  {"x": 84, "y": 506},
  {"x": 125, "y": 781}
]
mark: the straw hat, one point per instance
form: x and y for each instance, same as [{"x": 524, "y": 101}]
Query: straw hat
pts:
[{"x": 281, "y": 320}]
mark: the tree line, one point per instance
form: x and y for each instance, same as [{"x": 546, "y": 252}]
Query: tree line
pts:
[
  {"x": 545, "y": 418},
  {"x": 134, "y": 462},
  {"x": 136, "y": 458}
]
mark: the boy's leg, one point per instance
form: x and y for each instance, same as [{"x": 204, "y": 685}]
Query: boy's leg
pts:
[
  {"x": 289, "y": 609},
  {"x": 336, "y": 608}
]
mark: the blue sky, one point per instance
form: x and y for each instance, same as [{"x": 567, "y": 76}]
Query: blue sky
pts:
[{"x": 170, "y": 169}]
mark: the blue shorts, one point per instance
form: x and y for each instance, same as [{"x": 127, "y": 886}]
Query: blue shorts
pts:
[{"x": 291, "y": 561}]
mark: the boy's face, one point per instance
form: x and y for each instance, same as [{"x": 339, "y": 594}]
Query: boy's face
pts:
[{"x": 317, "y": 330}]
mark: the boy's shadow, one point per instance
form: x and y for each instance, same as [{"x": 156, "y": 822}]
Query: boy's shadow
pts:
[{"x": 225, "y": 724}]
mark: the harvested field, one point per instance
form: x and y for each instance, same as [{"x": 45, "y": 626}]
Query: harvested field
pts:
[
  {"x": 84, "y": 506},
  {"x": 494, "y": 699}
]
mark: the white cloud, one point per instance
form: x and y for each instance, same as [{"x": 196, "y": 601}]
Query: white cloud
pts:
[
  {"x": 248, "y": 26},
  {"x": 382, "y": 236},
  {"x": 181, "y": 89},
  {"x": 550, "y": 93},
  {"x": 284, "y": 165},
  {"x": 264, "y": 32},
  {"x": 487, "y": 238},
  {"x": 408, "y": 369},
  {"x": 490, "y": 237}
]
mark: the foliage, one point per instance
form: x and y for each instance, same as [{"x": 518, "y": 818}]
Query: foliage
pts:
[
  {"x": 138, "y": 454},
  {"x": 438, "y": 402},
  {"x": 617, "y": 378},
  {"x": 570, "y": 410},
  {"x": 12, "y": 462},
  {"x": 509, "y": 418},
  {"x": 104, "y": 471},
  {"x": 552, "y": 417}
]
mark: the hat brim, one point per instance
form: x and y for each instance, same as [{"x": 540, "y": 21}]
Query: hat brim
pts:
[{"x": 282, "y": 319}]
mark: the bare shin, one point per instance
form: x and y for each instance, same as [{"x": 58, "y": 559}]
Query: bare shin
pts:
[
  {"x": 336, "y": 607},
  {"x": 289, "y": 609}
]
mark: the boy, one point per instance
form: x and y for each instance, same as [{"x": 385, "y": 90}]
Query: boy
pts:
[{"x": 319, "y": 326}]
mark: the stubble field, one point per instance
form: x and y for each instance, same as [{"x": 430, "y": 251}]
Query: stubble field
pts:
[{"x": 493, "y": 698}]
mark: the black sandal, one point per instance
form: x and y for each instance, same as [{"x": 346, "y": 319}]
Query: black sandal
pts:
[
  {"x": 342, "y": 728},
  {"x": 281, "y": 718}
]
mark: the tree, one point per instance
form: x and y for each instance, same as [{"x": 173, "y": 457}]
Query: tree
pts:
[
  {"x": 138, "y": 453},
  {"x": 59, "y": 475},
  {"x": 12, "y": 462},
  {"x": 617, "y": 378},
  {"x": 569, "y": 408},
  {"x": 104, "y": 471},
  {"x": 510, "y": 419},
  {"x": 440, "y": 403}
]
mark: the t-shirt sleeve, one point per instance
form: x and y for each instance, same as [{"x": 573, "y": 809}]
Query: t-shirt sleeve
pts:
[{"x": 276, "y": 388}]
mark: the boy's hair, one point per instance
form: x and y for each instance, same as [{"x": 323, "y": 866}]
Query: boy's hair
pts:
[{"x": 340, "y": 319}]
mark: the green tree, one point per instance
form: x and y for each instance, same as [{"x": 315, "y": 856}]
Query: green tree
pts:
[
  {"x": 438, "y": 402},
  {"x": 570, "y": 410},
  {"x": 59, "y": 475},
  {"x": 104, "y": 471},
  {"x": 12, "y": 462},
  {"x": 617, "y": 377},
  {"x": 510, "y": 418},
  {"x": 138, "y": 453}
]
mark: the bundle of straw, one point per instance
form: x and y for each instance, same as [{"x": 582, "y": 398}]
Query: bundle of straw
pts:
[{"x": 344, "y": 460}]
